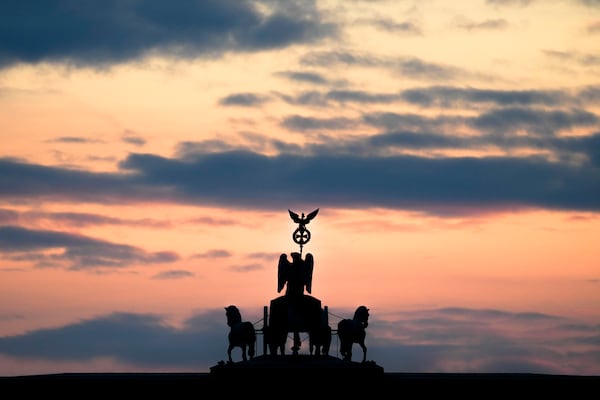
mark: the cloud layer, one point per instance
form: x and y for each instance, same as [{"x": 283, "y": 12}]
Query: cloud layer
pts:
[
  {"x": 438, "y": 340},
  {"x": 98, "y": 34}
]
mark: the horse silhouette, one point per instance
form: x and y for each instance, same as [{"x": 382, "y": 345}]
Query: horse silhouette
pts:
[
  {"x": 241, "y": 334},
  {"x": 352, "y": 331}
]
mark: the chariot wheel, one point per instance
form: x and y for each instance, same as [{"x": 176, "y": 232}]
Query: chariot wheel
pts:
[{"x": 301, "y": 236}]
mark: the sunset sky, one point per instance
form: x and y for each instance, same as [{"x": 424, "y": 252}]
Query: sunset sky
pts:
[{"x": 150, "y": 152}]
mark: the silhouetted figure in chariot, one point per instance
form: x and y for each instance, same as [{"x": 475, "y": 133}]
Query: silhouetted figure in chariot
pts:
[
  {"x": 295, "y": 311},
  {"x": 297, "y": 274}
]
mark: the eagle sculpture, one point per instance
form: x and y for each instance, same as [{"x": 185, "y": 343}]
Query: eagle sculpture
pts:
[
  {"x": 297, "y": 274},
  {"x": 302, "y": 221}
]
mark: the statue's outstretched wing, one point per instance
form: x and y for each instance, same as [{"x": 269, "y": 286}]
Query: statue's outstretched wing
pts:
[
  {"x": 311, "y": 215},
  {"x": 309, "y": 263},
  {"x": 295, "y": 217},
  {"x": 282, "y": 271}
]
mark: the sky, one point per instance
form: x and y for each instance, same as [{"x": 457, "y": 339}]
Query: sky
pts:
[{"x": 150, "y": 152}]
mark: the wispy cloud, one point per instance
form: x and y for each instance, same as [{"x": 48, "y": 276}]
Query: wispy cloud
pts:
[
  {"x": 132, "y": 138},
  {"x": 407, "y": 66},
  {"x": 488, "y": 24},
  {"x": 305, "y": 77},
  {"x": 73, "y": 251},
  {"x": 214, "y": 253},
  {"x": 73, "y": 139},
  {"x": 75, "y": 219},
  {"x": 245, "y": 267},
  {"x": 509, "y": 2},
  {"x": 173, "y": 274},
  {"x": 244, "y": 99}
]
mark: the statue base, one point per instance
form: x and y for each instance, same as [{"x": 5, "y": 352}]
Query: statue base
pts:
[{"x": 290, "y": 368}]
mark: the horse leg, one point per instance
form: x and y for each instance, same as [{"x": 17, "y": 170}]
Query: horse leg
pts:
[
  {"x": 251, "y": 349},
  {"x": 313, "y": 343},
  {"x": 346, "y": 351},
  {"x": 364, "y": 349},
  {"x": 229, "y": 353},
  {"x": 244, "y": 357}
]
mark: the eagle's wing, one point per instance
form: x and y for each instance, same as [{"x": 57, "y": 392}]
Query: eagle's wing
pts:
[
  {"x": 311, "y": 215},
  {"x": 282, "y": 271},
  {"x": 309, "y": 263},
  {"x": 294, "y": 216}
]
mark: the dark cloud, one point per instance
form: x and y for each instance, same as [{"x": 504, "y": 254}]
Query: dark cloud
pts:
[
  {"x": 590, "y": 3},
  {"x": 73, "y": 139},
  {"x": 101, "y": 159},
  {"x": 187, "y": 148},
  {"x": 246, "y": 267},
  {"x": 505, "y": 121},
  {"x": 308, "y": 98},
  {"x": 300, "y": 123},
  {"x": 173, "y": 274},
  {"x": 577, "y": 58},
  {"x": 264, "y": 256},
  {"x": 545, "y": 122},
  {"x": 212, "y": 221},
  {"x": 408, "y": 121},
  {"x": 509, "y": 2},
  {"x": 353, "y": 171},
  {"x": 38, "y": 182},
  {"x": 114, "y": 31},
  {"x": 446, "y": 340},
  {"x": 389, "y": 25},
  {"x": 75, "y": 219},
  {"x": 238, "y": 178},
  {"x": 413, "y": 67},
  {"x": 418, "y": 140},
  {"x": 244, "y": 99},
  {"x": 142, "y": 339},
  {"x": 490, "y": 24},
  {"x": 359, "y": 96},
  {"x": 134, "y": 139},
  {"x": 410, "y": 67},
  {"x": 214, "y": 253},
  {"x": 568, "y": 149},
  {"x": 328, "y": 176},
  {"x": 75, "y": 251},
  {"x": 449, "y": 96},
  {"x": 329, "y": 58},
  {"x": 429, "y": 341},
  {"x": 306, "y": 77}
]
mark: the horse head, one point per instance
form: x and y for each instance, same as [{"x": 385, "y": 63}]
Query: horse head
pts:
[
  {"x": 233, "y": 315},
  {"x": 362, "y": 315}
]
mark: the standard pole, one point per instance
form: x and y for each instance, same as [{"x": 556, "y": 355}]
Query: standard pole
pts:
[{"x": 264, "y": 329}]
